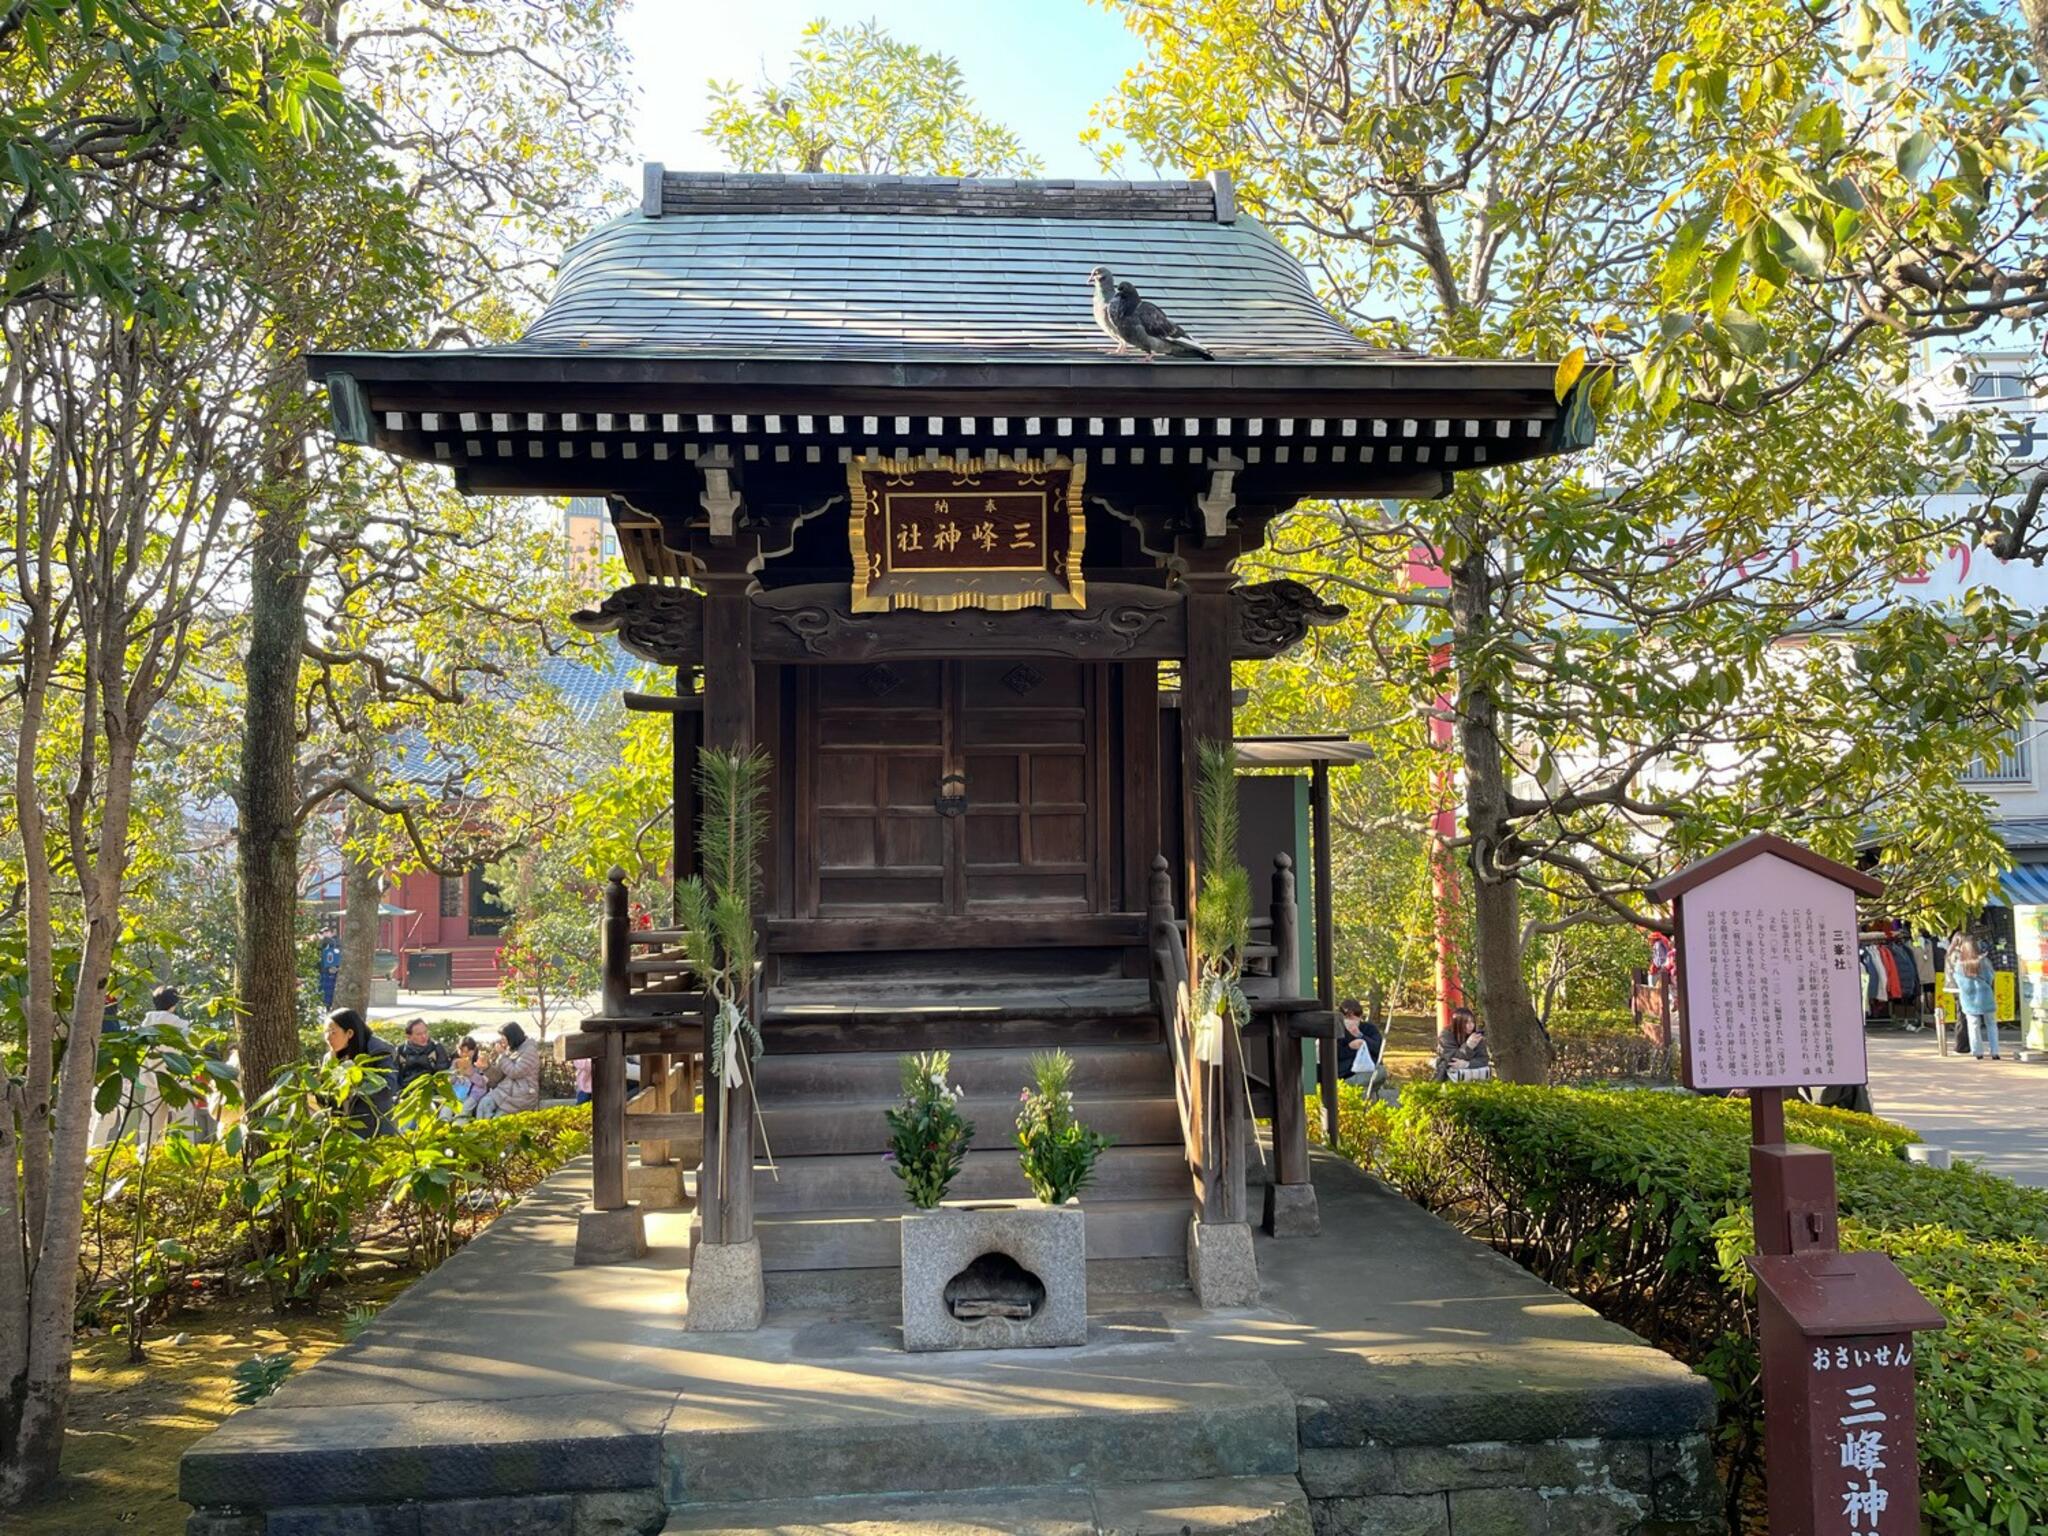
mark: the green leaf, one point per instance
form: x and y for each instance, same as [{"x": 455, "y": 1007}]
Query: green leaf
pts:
[
  {"x": 1727, "y": 270},
  {"x": 1914, "y": 153},
  {"x": 1807, "y": 251},
  {"x": 1744, "y": 328}
]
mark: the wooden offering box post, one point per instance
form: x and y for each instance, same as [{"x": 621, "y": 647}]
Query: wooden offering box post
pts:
[{"x": 1770, "y": 998}]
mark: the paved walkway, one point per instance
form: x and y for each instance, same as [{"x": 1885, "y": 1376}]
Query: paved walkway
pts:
[
  {"x": 1994, "y": 1113},
  {"x": 479, "y": 1010},
  {"x": 509, "y": 1374}
]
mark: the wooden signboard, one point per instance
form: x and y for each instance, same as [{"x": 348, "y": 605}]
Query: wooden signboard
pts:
[
  {"x": 1770, "y": 994},
  {"x": 943, "y": 535}
]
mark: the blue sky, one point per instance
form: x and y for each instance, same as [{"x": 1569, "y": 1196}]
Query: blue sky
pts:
[{"x": 1036, "y": 65}]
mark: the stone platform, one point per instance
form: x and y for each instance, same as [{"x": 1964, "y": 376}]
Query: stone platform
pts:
[{"x": 1395, "y": 1378}]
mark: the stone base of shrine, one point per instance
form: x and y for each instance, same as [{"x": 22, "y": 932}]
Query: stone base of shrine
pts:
[{"x": 1391, "y": 1376}]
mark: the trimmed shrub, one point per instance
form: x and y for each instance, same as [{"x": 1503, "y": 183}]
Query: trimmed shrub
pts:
[
  {"x": 430, "y": 1186},
  {"x": 1637, "y": 1202}
]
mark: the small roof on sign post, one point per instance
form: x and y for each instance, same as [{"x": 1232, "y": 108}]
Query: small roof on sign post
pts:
[
  {"x": 1770, "y": 988},
  {"x": 1678, "y": 882}
]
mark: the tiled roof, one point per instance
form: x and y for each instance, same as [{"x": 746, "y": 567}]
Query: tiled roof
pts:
[
  {"x": 590, "y": 682},
  {"x": 910, "y": 269}
]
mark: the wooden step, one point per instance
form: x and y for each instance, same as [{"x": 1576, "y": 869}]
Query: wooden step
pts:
[
  {"x": 940, "y": 1032},
  {"x": 864, "y": 1180},
  {"x": 798, "y": 1128},
  {"x": 876, "y": 1077},
  {"x": 866, "y": 1237}
]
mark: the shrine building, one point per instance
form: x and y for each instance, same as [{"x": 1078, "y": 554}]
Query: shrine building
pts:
[{"x": 899, "y": 514}]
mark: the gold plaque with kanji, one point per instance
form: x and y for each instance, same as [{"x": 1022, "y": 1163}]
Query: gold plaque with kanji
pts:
[{"x": 942, "y": 534}]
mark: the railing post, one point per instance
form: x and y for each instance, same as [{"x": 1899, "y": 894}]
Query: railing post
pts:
[
  {"x": 614, "y": 945},
  {"x": 1326, "y": 942},
  {"x": 1286, "y": 929},
  {"x": 656, "y": 1083},
  {"x": 608, "y": 1123},
  {"x": 1158, "y": 920},
  {"x": 609, "y": 1230}
]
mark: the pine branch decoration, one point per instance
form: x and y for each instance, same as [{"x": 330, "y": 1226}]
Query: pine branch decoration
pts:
[
  {"x": 1223, "y": 906},
  {"x": 717, "y": 907}
]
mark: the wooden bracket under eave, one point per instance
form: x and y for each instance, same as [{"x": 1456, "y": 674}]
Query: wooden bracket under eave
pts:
[{"x": 720, "y": 497}]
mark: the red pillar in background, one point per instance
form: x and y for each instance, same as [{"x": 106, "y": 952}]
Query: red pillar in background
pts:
[{"x": 1423, "y": 570}]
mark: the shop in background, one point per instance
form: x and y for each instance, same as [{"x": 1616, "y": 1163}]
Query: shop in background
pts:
[{"x": 2026, "y": 887}]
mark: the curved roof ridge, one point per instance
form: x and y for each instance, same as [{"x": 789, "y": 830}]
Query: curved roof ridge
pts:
[{"x": 667, "y": 194}]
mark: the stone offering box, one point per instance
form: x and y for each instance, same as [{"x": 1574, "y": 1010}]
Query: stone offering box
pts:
[{"x": 995, "y": 1274}]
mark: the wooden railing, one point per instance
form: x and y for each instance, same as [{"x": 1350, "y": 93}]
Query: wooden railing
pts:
[{"x": 651, "y": 1007}]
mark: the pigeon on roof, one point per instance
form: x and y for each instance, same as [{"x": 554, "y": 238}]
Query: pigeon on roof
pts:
[{"x": 1135, "y": 321}]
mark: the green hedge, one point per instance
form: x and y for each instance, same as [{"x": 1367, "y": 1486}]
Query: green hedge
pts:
[
  {"x": 160, "y": 1231},
  {"x": 1637, "y": 1202}
]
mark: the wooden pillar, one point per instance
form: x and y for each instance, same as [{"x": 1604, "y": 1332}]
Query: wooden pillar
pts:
[
  {"x": 1290, "y": 1111},
  {"x": 726, "y": 1192},
  {"x": 614, "y": 928},
  {"x": 1205, "y": 717},
  {"x": 686, "y": 732},
  {"x": 654, "y": 1082},
  {"x": 1205, "y": 708},
  {"x": 1326, "y": 942},
  {"x": 608, "y": 1122}
]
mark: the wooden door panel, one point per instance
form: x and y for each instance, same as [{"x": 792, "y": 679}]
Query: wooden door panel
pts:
[
  {"x": 877, "y": 744},
  {"x": 846, "y": 780},
  {"x": 1025, "y": 745},
  {"x": 880, "y": 741}
]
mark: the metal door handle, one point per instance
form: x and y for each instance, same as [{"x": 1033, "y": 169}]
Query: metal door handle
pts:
[{"x": 951, "y": 804}]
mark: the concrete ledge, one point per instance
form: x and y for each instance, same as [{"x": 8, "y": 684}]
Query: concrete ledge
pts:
[
  {"x": 641, "y": 1513},
  {"x": 1039, "y": 1420},
  {"x": 275, "y": 1456},
  {"x": 1246, "y": 1506}
]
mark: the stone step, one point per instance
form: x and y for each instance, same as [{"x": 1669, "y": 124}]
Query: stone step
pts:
[
  {"x": 800, "y": 1129},
  {"x": 866, "y": 1237},
  {"x": 864, "y": 1180},
  {"x": 994, "y": 1072},
  {"x": 1252, "y": 1506},
  {"x": 1049, "y": 1420}
]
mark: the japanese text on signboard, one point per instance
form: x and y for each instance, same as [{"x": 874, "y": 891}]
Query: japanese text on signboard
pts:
[
  {"x": 1773, "y": 991},
  {"x": 974, "y": 531},
  {"x": 1864, "y": 1385}
]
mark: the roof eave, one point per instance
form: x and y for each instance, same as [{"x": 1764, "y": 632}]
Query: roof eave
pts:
[{"x": 504, "y": 369}]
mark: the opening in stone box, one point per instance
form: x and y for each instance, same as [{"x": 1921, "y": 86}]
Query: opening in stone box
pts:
[{"x": 994, "y": 1285}]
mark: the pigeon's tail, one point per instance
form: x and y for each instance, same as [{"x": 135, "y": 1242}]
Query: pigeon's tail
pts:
[{"x": 1186, "y": 346}]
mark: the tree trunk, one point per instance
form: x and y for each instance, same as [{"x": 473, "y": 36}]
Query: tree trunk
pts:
[
  {"x": 2036, "y": 13},
  {"x": 268, "y": 846},
  {"x": 362, "y": 889},
  {"x": 1519, "y": 1049},
  {"x": 34, "y": 1403}
]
